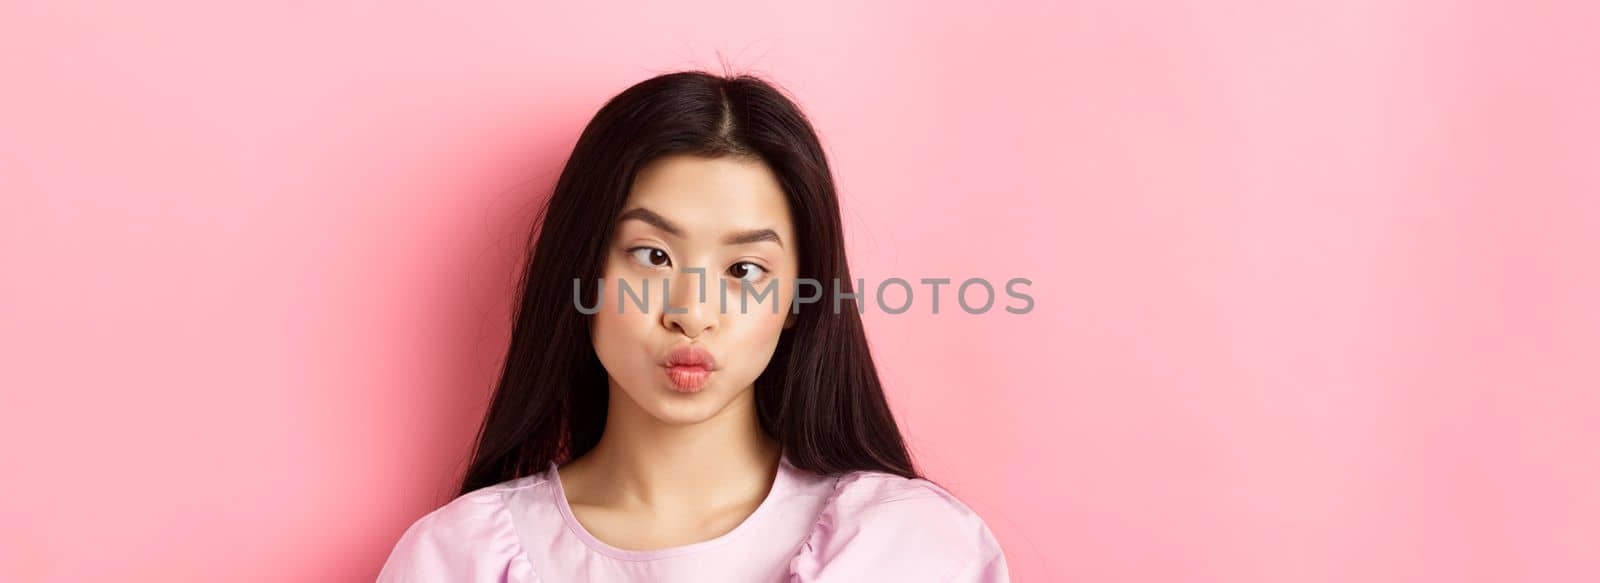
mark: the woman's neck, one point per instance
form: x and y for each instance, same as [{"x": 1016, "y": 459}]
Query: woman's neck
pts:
[{"x": 641, "y": 461}]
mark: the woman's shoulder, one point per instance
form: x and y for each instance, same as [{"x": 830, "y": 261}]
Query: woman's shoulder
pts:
[
  {"x": 470, "y": 538},
  {"x": 881, "y": 526}
]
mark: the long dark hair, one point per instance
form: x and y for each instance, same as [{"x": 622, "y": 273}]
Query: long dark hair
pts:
[{"x": 819, "y": 398}]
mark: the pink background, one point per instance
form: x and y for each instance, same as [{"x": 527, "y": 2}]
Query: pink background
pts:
[{"x": 1316, "y": 286}]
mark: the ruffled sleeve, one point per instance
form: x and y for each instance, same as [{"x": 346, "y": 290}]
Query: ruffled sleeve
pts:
[
  {"x": 882, "y": 527},
  {"x": 470, "y": 539}
]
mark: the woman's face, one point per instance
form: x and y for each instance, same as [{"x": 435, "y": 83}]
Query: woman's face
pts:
[{"x": 729, "y": 218}]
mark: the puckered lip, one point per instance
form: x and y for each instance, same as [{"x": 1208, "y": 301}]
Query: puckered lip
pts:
[{"x": 689, "y": 355}]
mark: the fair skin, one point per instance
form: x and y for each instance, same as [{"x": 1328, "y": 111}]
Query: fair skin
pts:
[{"x": 676, "y": 467}]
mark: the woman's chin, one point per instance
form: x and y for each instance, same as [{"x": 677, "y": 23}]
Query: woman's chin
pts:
[
  {"x": 681, "y": 412},
  {"x": 681, "y": 408}
]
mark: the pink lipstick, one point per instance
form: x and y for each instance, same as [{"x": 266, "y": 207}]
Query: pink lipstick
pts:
[{"x": 689, "y": 367}]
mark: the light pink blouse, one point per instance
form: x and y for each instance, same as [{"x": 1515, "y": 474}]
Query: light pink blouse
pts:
[{"x": 861, "y": 526}]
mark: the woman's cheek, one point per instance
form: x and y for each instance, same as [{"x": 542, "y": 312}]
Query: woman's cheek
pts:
[
  {"x": 758, "y": 327},
  {"x": 618, "y": 318}
]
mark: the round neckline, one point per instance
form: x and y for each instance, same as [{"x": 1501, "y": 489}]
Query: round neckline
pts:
[{"x": 780, "y": 485}]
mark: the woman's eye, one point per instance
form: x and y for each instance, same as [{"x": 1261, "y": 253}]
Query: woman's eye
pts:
[
  {"x": 649, "y": 256},
  {"x": 747, "y": 271}
]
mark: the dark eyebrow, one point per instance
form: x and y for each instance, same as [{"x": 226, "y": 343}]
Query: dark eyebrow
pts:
[
  {"x": 660, "y": 222},
  {"x": 755, "y": 236},
  {"x": 649, "y": 216}
]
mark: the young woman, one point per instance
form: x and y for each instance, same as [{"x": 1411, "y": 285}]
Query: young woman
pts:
[{"x": 667, "y": 431}]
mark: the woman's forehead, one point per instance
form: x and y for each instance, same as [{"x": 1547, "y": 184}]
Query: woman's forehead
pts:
[{"x": 702, "y": 196}]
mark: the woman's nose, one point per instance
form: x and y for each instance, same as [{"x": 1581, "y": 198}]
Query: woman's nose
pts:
[{"x": 690, "y": 308}]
